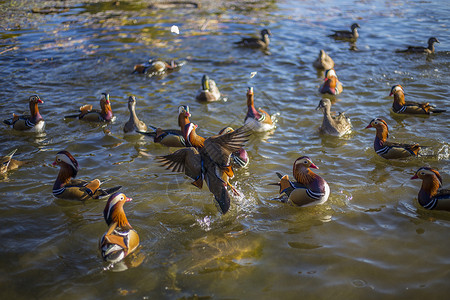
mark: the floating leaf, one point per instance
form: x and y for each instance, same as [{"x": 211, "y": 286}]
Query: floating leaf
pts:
[{"x": 253, "y": 74}]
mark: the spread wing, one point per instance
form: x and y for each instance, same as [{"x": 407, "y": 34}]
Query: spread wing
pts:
[
  {"x": 187, "y": 160},
  {"x": 220, "y": 147}
]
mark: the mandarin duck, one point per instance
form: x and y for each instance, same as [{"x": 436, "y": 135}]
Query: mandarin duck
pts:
[
  {"x": 260, "y": 121},
  {"x": 239, "y": 159},
  {"x": 7, "y": 163},
  {"x": 400, "y": 106},
  {"x": 157, "y": 67},
  {"x": 32, "y": 122},
  {"x": 209, "y": 92},
  {"x": 431, "y": 195},
  {"x": 419, "y": 49},
  {"x": 171, "y": 137},
  {"x": 388, "y": 149},
  {"x": 351, "y": 36},
  {"x": 208, "y": 159},
  {"x": 324, "y": 61},
  {"x": 133, "y": 124},
  {"x": 88, "y": 114},
  {"x": 121, "y": 239},
  {"x": 333, "y": 125},
  {"x": 310, "y": 188},
  {"x": 67, "y": 187},
  {"x": 261, "y": 43},
  {"x": 331, "y": 84}
]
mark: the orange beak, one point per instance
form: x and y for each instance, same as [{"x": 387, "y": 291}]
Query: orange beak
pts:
[
  {"x": 415, "y": 176},
  {"x": 313, "y": 166}
]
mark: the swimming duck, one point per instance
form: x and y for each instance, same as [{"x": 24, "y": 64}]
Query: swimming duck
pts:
[
  {"x": 310, "y": 188},
  {"x": 88, "y": 114},
  {"x": 209, "y": 91},
  {"x": 7, "y": 163},
  {"x": 67, "y": 187},
  {"x": 133, "y": 123},
  {"x": 171, "y": 137},
  {"x": 156, "y": 67},
  {"x": 260, "y": 121},
  {"x": 261, "y": 43},
  {"x": 331, "y": 84},
  {"x": 419, "y": 49},
  {"x": 333, "y": 125},
  {"x": 239, "y": 159},
  {"x": 33, "y": 121},
  {"x": 324, "y": 61},
  {"x": 401, "y": 106},
  {"x": 121, "y": 239},
  {"x": 430, "y": 195},
  {"x": 387, "y": 149},
  {"x": 208, "y": 159},
  {"x": 347, "y": 35}
]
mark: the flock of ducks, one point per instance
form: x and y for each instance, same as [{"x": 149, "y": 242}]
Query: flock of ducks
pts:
[{"x": 214, "y": 159}]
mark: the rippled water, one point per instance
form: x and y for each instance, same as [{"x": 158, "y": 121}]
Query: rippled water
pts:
[{"x": 370, "y": 240}]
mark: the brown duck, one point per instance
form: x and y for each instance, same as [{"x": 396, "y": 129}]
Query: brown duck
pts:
[
  {"x": 390, "y": 150},
  {"x": 420, "y": 49},
  {"x": 67, "y": 187},
  {"x": 121, "y": 239},
  {"x": 208, "y": 159},
  {"x": 33, "y": 121},
  {"x": 86, "y": 112},
  {"x": 400, "y": 106},
  {"x": 431, "y": 195},
  {"x": 7, "y": 163}
]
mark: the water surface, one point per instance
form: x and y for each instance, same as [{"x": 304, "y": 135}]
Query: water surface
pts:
[{"x": 370, "y": 240}]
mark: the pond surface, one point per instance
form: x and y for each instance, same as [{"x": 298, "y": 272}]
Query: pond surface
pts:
[{"x": 370, "y": 240}]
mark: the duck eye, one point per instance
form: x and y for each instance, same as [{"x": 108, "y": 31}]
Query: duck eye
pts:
[
  {"x": 121, "y": 198},
  {"x": 58, "y": 159},
  {"x": 305, "y": 162},
  {"x": 422, "y": 173}
]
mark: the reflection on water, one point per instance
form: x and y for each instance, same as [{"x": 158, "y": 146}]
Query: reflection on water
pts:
[{"x": 370, "y": 238}]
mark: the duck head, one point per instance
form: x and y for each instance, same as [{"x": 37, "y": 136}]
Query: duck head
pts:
[
  {"x": 397, "y": 89},
  {"x": 114, "y": 213},
  {"x": 205, "y": 83},
  {"x": 354, "y": 26},
  {"x": 105, "y": 105},
  {"x": 301, "y": 170},
  {"x": 265, "y": 32},
  {"x": 183, "y": 116},
  {"x": 428, "y": 174},
  {"x": 34, "y": 101},
  {"x": 381, "y": 126},
  {"x": 132, "y": 103},
  {"x": 330, "y": 73},
  {"x": 324, "y": 104},
  {"x": 66, "y": 161},
  {"x": 433, "y": 40},
  {"x": 250, "y": 96}
]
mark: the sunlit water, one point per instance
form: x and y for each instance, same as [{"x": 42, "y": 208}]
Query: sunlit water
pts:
[{"x": 370, "y": 240}]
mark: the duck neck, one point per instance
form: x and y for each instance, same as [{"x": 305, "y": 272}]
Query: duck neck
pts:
[
  {"x": 380, "y": 137},
  {"x": 191, "y": 136},
  {"x": 265, "y": 39},
  {"x": 327, "y": 115},
  {"x": 133, "y": 116},
  {"x": 252, "y": 112},
  {"x": 34, "y": 112},
  {"x": 399, "y": 98},
  {"x": 430, "y": 186},
  {"x": 304, "y": 176},
  {"x": 119, "y": 217},
  {"x": 107, "y": 113},
  {"x": 65, "y": 174},
  {"x": 431, "y": 46}
]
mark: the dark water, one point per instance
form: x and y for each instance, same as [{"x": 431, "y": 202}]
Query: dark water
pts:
[{"x": 370, "y": 240}]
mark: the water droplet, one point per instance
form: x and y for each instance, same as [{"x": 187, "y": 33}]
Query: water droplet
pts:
[{"x": 175, "y": 29}]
